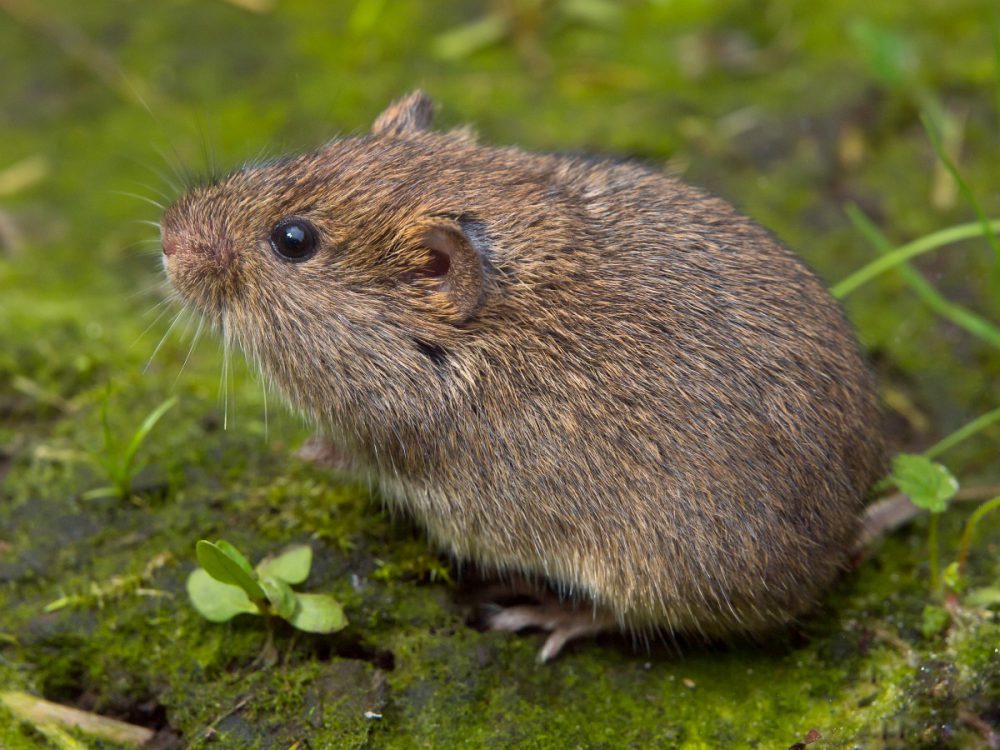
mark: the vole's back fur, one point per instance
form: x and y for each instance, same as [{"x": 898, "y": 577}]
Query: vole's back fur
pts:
[{"x": 630, "y": 390}]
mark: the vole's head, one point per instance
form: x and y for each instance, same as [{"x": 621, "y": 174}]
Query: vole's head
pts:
[{"x": 348, "y": 274}]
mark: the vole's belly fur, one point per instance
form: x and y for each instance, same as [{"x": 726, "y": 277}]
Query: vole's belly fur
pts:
[{"x": 692, "y": 452}]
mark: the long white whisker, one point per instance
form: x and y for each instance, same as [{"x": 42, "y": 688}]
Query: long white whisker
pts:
[
  {"x": 232, "y": 382},
  {"x": 183, "y": 175},
  {"x": 224, "y": 381},
  {"x": 263, "y": 390},
  {"x": 164, "y": 311},
  {"x": 189, "y": 321},
  {"x": 194, "y": 343},
  {"x": 143, "y": 198},
  {"x": 162, "y": 339},
  {"x": 143, "y": 291},
  {"x": 156, "y": 190},
  {"x": 137, "y": 248},
  {"x": 164, "y": 177}
]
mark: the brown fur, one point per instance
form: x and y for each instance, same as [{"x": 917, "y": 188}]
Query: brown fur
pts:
[{"x": 622, "y": 386}]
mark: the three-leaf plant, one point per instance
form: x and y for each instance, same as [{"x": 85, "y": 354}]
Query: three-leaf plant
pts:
[{"x": 226, "y": 585}]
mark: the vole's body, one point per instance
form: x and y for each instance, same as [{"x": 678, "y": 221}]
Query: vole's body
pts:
[{"x": 613, "y": 381}]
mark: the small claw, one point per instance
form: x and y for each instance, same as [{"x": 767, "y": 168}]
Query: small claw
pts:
[
  {"x": 553, "y": 645},
  {"x": 564, "y": 623}
]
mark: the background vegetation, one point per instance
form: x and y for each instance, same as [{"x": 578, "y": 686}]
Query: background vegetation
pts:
[{"x": 794, "y": 111}]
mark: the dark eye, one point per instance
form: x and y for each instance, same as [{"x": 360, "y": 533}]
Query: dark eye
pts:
[{"x": 294, "y": 239}]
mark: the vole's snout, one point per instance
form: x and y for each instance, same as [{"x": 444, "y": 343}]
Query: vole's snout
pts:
[
  {"x": 191, "y": 247},
  {"x": 180, "y": 244},
  {"x": 199, "y": 258},
  {"x": 169, "y": 243}
]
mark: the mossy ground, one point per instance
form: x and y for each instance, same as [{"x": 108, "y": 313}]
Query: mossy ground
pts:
[{"x": 782, "y": 107}]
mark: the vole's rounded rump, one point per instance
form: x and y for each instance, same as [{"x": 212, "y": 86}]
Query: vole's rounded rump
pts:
[{"x": 577, "y": 370}]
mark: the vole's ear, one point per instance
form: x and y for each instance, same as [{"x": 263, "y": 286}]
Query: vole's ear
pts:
[
  {"x": 411, "y": 114},
  {"x": 443, "y": 259}
]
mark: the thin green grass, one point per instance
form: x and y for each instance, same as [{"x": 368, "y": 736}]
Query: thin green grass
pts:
[
  {"x": 963, "y": 187},
  {"x": 903, "y": 253},
  {"x": 951, "y": 311},
  {"x": 119, "y": 467},
  {"x": 965, "y": 543},
  {"x": 995, "y": 29},
  {"x": 963, "y": 433}
]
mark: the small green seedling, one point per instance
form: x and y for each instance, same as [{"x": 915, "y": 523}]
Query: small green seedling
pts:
[
  {"x": 226, "y": 585},
  {"x": 930, "y": 486},
  {"x": 117, "y": 461}
]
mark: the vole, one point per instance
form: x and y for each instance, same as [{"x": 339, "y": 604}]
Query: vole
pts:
[{"x": 568, "y": 369}]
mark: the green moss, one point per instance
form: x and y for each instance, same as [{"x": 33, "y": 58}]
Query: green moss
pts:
[{"x": 755, "y": 105}]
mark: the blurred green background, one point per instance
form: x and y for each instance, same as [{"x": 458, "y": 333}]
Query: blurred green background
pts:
[{"x": 790, "y": 110}]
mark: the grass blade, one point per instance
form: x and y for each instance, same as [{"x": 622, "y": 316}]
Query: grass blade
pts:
[
  {"x": 963, "y": 187},
  {"x": 901, "y": 254},
  {"x": 947, "y": 309},
  {"x": 963, "y": 433},
  {"x": 995, "y": 28},
  {"x": 140, "y": 435},
  {"x": 965, "y": 544}
]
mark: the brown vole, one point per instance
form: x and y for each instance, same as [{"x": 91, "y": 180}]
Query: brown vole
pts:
[{"x": 568, "y": 369}]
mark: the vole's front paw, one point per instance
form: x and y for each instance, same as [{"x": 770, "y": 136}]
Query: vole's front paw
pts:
[{"x": 564, "y": 621}]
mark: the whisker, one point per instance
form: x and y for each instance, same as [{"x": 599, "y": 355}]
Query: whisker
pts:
[
  {"x": 194, "y": 343},
  {"x": 162, "y": 339},
  {"x": 156, "y": 320},
  {"x": 137, "y": 196},
  {"x": 148, "y": 223},
  {"x": 224, "y": 381},
  {"x": 207, "y": 151},
  {"x": 134, "y": 246},
  {"x": 263, "y": 391},
  {"x": 232, "y": 382},
  {"x": 165, "y": 178},
  {"x": 186, "y": 178},
  {"x": 166, "y": 197},
  {"x": 157, "y": 286}
]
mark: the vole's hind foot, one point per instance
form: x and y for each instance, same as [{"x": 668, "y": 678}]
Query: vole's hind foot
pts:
[{"x": 564, "y": 622}]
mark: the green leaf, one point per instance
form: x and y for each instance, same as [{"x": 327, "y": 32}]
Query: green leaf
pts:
[
  {"x": 280, "y": 595},
  {"x": 935, "y": 619},
  {"x": 224, "y": 563},
  {"x": 987, "y": 596},
  {"x": 890, "y": 56},
  {"x": 463, "y": 41},
  {"x": 291, "y": 566},
  {"x": 235, "y": 555},
  {"x": 952, "y": 577},
  {"x": 929, "y": 485},
  {"x": 217, "y": 601},
  {"x": 318, "y": 613}
]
